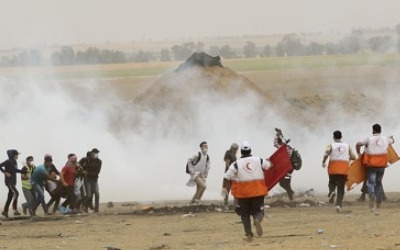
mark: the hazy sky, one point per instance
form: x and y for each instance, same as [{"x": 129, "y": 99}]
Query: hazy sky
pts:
[{"x": 65, "y": 22}]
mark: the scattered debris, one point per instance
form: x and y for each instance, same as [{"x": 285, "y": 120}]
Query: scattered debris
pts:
[
  {"x": 188, "y": 215},
  {"x": 304, "y": 205},
  {"x": 166, "y": 234},
  {"x": 110, "y": 204},
  {"x": 111, "y": 248},
  {"x": 158, "y": 247},
  {"x": 320, "y": 231}
]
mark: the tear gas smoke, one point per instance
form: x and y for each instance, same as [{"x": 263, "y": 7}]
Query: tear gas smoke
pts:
[{"x": 146, "y": 160}]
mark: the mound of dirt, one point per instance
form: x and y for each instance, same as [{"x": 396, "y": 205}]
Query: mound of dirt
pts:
[{"x": 201, "y": 59}]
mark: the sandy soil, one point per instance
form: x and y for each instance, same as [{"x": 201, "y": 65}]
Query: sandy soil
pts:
[{"x": 285, "y": 228}]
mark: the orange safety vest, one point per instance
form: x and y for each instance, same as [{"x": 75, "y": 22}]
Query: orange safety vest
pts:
[
  {"x": 248, "y": 189},
  {"x": 375, "y": 161},
  {"x": 338, "y": 167}
]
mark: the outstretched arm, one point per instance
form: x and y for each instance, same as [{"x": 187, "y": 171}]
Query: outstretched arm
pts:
[{"x": 326, "y": 155}]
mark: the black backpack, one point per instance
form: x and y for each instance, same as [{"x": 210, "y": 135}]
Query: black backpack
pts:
[
  {"x": 195, "y": 161},
  {"x": 296, "y": 159}
]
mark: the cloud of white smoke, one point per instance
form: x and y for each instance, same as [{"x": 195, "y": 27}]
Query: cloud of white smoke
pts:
[{"x": 148, "y": 163}]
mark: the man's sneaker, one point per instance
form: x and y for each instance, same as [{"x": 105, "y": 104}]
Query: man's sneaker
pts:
[
  {"x": 332, "y": 197},
  {"x": 338, "y": 209},
  {"x": 258, "y": 226},
  {"x": 372, "y": 203},
  {"x": 5, "y": 214},
  {"x": 61, "y": 209},
  {"x": 362, "y": 198},
  {"x": 249, "y": 237},
  {"x": 195, "y": 202},
  {"x": 17, "y": 213},
  {"x": 24, "y": 210}
]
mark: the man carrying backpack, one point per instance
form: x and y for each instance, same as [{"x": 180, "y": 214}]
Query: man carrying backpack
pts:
[
  {"x": 198, "y": 166},
  {"x": 285, "y": 182}
]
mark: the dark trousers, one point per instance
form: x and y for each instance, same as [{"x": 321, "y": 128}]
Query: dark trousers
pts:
[
  {"x": 92, "y": 189},
  {"x": 250, "y": 207},
  {"x": 285, "y": 184},
  {"x": 70, "y": 201},
  {"x": 55, "y": 195},
  {"x": 12, "y": 196},
  {"x": 337, "y": 181}
]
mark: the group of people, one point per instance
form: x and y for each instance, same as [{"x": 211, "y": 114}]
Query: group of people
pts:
[
  {"x": 244, "y": 177},
  {"x": 77, "y": 183}
]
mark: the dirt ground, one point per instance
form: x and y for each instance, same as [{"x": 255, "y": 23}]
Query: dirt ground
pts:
[{"x": 284, "y": 228}]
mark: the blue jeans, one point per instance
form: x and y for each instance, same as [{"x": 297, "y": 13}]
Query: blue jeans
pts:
[
  {"x": 38, "y": 188},
  {"x": 92, "y": 187},
  {"x": 374, "y": 182}
]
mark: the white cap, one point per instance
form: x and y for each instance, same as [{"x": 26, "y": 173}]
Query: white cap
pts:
[{"x": 245, "y": 146}]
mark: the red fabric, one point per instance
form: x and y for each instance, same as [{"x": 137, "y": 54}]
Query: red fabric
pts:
[
  {"x": 68, "y": 173},
  {"x": 281, "y": 165}
]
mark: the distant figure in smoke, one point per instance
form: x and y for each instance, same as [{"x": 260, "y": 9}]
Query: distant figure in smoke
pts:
[
  {"x": 248, "y": 186},
  {"x": 229, "y": 158},
  {"x": 198, "y": 167},
  {"x": 27, "y": 187},
  {"x": 10, "y": 169},
  {"x": 92, "y": 166},
  {"x": 375, "y": 160},
  {"x": 285, "y": 182},
  {"x": 340, "y": 155}
]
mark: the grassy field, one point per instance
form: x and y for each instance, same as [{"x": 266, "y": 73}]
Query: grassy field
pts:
[{"x": 137, "y": 70}]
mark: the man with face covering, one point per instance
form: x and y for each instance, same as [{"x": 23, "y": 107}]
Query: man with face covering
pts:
[
  {"x": 27, "y": 187},
  {"x": 248, "y": 186},
  {"x": 67, "y": 179},
  {"x": 199, "y": 166},
  {"x": 92, "y": 166},
  {"x": 10, "y": 169}
]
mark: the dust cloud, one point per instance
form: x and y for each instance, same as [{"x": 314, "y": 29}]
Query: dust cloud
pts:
[{"x": 144, "y": 150}]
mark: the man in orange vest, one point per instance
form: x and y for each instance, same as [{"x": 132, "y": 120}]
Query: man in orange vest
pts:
[
  {"x": 375, "y": 160},
  {"x": 340, "y": 155},
  {"x": 248, "y": 186}
]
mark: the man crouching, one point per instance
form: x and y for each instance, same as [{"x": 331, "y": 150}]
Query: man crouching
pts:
[{"x": 248, "y": 186}]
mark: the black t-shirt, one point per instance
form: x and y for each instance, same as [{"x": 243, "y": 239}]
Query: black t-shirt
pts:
[{"x": 230, "y": 157}]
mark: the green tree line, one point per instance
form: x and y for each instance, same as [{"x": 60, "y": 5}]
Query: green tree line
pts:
[{"x": 290, "y": 45}]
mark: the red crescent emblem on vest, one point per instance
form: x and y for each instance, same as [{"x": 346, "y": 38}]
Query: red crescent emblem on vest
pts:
[
  {"x": 340, "y": 149},
  {"x": 248, "y": 166},
  {"x": 379, "y": 143}
]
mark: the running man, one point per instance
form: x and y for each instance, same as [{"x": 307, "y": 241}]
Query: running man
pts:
[
  {"x": 27, "y": 187},
  {"x": 248, "y": 186},
  {"x": 198, "y": 167},
  {"x": 229, "y": 158},
  {"x": 10, "y": 169},
  {"x": 340, "y": 155},
  {"x": 375, "y": 160}
]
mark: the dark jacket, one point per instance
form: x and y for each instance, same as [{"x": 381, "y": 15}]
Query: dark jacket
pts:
[
  {"x": 10, "y": 166},
  {"x": 92, "y": 167}
]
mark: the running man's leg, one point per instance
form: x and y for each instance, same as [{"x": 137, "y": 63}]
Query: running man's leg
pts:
[
  {"x": 96, "y": 197},
  {"x": 341, "y": 182},
  {"x": 245, "y": 213}
]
